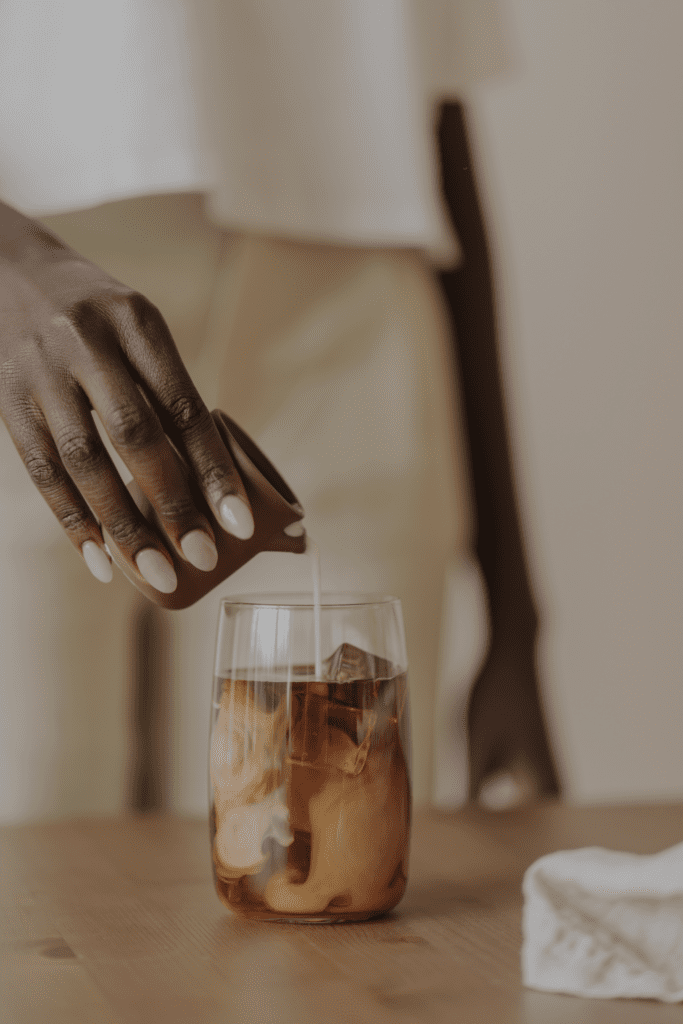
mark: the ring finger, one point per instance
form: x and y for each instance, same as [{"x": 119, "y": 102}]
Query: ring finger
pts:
[
  {"x": 137, "y": 436},
  {"x": 84, "y": 479}
]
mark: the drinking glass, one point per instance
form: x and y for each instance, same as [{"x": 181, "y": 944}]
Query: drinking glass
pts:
[{"x": 310, "y": 757}]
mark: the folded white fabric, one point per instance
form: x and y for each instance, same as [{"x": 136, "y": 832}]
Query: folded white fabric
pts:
[{"x": 603, "y": 924}]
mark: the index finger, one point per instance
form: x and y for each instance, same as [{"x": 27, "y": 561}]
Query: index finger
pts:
[{"x": 192, "y": 428}]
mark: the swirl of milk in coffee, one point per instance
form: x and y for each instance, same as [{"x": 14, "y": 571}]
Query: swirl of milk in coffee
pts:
[{"x": 246, "y": 756}]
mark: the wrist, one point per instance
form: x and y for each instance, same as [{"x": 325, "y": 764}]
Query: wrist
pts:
[{"x": 24, "y": 241}]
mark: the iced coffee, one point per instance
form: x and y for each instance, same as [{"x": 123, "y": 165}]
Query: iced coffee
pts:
[{"x": 310, "y": 790}]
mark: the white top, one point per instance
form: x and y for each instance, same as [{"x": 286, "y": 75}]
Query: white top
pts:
[{"x": 307, "y": 118}]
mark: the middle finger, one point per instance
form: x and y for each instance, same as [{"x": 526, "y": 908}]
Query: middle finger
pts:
[
  {"x": 138, "y": 437},
  {"x": 91, "y": 469}
]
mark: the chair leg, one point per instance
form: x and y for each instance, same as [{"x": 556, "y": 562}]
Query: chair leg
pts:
[
  {"x": 150, "y": 699},
  {"x": 506, "y": 728}
]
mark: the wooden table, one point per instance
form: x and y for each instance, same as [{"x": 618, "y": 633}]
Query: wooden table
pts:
[{"x": 115, "y": 920}]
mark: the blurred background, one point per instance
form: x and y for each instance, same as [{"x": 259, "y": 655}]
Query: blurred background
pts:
[
  {"x": 581, "y": 152},
  {"x": 578, "y": 149}
]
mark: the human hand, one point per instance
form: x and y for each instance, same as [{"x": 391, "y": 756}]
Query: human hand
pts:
[{"x": 73, "y": 340}]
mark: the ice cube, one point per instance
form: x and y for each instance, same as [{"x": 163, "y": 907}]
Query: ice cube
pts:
[
  {"x": 345, "y": 755},
  {"x": 327, "y": 733},
  {"x": 349, "y": 663},
  {"x": 309, "y": 726}
]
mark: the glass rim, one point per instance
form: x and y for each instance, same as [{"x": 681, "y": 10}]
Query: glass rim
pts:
[{"x": 304, "y": 599}]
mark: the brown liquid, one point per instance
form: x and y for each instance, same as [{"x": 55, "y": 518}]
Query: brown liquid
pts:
[{"x": 311, "y": 810}]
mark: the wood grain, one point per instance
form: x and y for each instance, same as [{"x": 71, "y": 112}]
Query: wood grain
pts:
[{"x": 115, "y": 921}]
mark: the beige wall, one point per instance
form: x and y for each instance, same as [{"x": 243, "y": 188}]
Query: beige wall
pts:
[{"x": 581, "y": 148}]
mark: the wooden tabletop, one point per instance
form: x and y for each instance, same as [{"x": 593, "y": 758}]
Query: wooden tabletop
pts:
[{"x": 116, "y": 920}]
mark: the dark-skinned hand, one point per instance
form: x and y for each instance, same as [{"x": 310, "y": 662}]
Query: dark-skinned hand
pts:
[{"x": 74, "y": 340}]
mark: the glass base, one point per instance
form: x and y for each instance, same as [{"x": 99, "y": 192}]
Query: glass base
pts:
[{"x": 305, "y": 918}]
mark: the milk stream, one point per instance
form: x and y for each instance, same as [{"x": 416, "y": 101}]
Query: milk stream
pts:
[{"x": 313, "y": 550}]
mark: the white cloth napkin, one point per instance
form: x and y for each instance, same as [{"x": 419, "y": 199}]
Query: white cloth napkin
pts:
[{"x": 603, "y": 924}]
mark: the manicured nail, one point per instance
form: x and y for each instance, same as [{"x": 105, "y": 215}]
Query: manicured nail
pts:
[
  {"x": 294, "y": 530},
  {"x": 156, "y": 570},
  {"x": 97, "y": 562},
  {"x": 199, "y": 550},
  {"x": 236, "y": 517}
]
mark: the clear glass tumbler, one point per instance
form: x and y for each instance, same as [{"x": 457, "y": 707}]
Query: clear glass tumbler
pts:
[{"x": 310, "y": 757}]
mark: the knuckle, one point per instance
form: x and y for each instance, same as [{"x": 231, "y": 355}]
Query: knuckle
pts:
[
  {"x": 126, "y": 533},
  {"x": 131, "y": 427},
  {"x": 95, "y": 317},
  {"x": 86, "y": 317},
  {"x": 145, "y": 315},
  {"x": 178, "y": 510},
  {"x": 188, "y": 412},
  {"x": 85, "y": 328},
  {"x": 73, "y": 519},
  {"x": 217, "y": 478},
  {"x": 81, "y": 451},
  {"x": 45, "y": 473}
]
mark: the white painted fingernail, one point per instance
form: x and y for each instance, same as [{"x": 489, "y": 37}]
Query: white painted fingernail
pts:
[
  {"x": 157, "y": 571},
  {"x": 199, "y": 550},
  {"x": 294, "y": 530},
  {"x": 236, "y": 517},
  {"x": 97, "y": 561}
]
